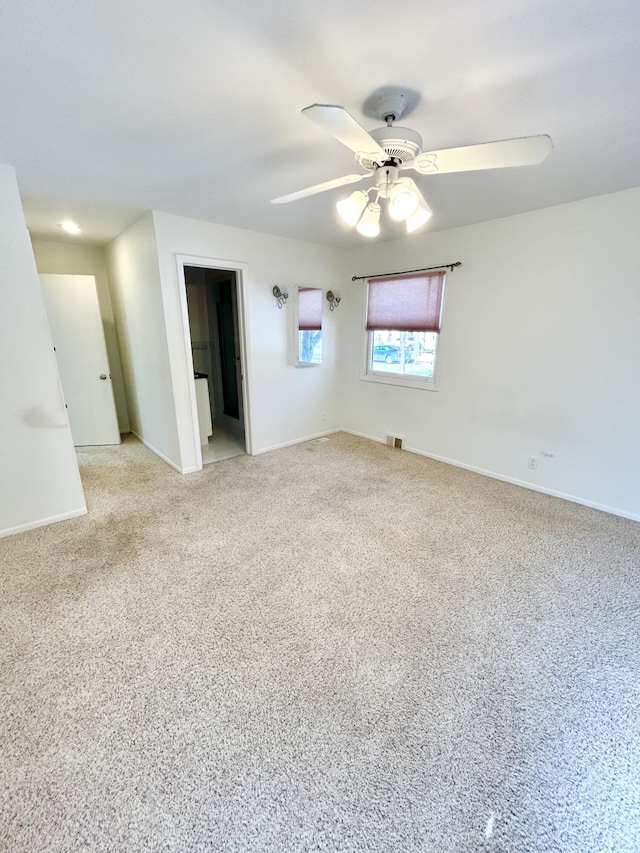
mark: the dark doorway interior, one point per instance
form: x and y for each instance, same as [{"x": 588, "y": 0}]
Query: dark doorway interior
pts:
[{"x": 227, "y": 340}]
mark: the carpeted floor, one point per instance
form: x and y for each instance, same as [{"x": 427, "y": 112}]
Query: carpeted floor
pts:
[{"x": 332, "y": 647}]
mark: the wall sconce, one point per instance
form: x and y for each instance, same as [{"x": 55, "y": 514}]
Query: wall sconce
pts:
[
  {"x": 333, "y": 300},
  {"x": 280, "y": 296}
]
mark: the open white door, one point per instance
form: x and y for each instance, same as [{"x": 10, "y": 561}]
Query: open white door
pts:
[{"x": 78, "y": 337}]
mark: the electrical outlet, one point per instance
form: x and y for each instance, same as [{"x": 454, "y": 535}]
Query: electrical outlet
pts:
[{"x": 533, "y": 462}]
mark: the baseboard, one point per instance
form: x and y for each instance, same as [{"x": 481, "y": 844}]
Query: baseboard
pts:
[
  {"x": 363, "y": 435},
  {"x": 42, "y": 522},
  {"x": 525, "y": 484},
  {"x": 163, "y": 457},
  {"x": 296, "y": 441}
]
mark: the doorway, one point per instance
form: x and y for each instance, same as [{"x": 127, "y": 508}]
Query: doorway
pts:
[
  {"x": 213, "y": 306},
  {"x": 73, "y": 312}
]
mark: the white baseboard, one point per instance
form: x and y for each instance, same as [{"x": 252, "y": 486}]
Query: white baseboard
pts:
[
  {"x": 363, "y": 435},
  {"x": 297, "y": 441},
  {"x": 43, "y": 522},
  {"x": 163, "y": 457},
  {"x": 525, "y": 484}
]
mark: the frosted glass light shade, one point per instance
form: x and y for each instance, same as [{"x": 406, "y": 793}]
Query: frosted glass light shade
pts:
[
  {"x": 369, "y": 224},
  {"x": 350, "y": 209},
  {"x": 403, "y": 202},
  {"x": 419, "y": 217}
]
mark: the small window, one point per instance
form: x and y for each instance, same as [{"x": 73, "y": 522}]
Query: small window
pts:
[
  {"x": 309, "y": 326},
  {"x": 403, "y": 325}
]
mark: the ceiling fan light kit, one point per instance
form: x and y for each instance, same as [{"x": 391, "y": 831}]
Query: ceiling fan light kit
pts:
[
  {"x": 388, "y": 150},
  {"x": 406, "y": 204},
  {"x": 403, "y": 201},
  {"x": 369, "y": 224},
  {"x": 417, "y": 219},
  {"x": 352, "y": 208}
]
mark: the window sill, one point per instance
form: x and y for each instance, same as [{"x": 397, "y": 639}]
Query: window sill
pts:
[{"x": 407, "y": 381}]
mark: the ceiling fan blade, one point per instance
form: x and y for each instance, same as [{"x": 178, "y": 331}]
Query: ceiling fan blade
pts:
[
  {"x": 337, "y": 121},
  {"x": 320, "y": 188},
  {"x": 525, "y": 151}
]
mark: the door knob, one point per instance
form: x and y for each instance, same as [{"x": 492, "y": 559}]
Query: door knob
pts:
[{"x": 103, "y": 376}]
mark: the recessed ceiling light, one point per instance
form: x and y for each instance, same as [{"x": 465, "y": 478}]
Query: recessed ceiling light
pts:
[{"x": 70, "y": 227}]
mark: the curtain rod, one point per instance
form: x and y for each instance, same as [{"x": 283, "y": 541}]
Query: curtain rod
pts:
[{"x": 406, "y": 272}]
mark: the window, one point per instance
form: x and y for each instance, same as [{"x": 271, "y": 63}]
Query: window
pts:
[
  {"x": 309, "y": 326},
  {"x": 403, "y": 326}
]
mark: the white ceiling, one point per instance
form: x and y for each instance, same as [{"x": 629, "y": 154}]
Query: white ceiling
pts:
[{"x": 193, "y": 106}]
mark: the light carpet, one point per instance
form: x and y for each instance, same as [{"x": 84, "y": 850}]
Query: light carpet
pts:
[{"x": 336, "y": 646}]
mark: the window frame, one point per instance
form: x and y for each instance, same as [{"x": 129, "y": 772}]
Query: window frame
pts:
[
  {"x": 297, "y": 331},
  {"x": 386, "y": 377}
]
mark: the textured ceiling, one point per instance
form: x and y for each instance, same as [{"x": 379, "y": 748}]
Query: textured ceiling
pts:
[{"x": 193, "y": 107}]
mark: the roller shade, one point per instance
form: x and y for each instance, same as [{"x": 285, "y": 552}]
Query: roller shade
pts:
[
  {"x": 309, "y": 309},
  {"x": 409, "y": 303}
]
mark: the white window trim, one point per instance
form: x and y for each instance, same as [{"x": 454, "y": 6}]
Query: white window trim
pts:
[{"x": 424, "y": 384}]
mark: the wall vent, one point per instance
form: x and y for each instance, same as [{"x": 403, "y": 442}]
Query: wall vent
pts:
[{"x": 395, "y": 441}]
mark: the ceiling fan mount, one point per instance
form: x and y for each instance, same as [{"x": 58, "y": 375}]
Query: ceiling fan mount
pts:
[{"x": 391, "y": 106}]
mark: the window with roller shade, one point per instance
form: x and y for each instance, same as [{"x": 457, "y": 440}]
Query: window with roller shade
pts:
[
  {"x": 309, "y": 325},
  {"x": 403, "y": 320}
]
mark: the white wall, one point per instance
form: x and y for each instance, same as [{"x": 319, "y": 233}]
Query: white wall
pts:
[
  {"x": 287, "y": 403},
  {"x": 540, "y": 350},
  {"x": 40, "y": 482},
  {"x": 68, "y": 258},
  {"x": 539, "y": 354},
  {"x": 132, "y": 265}
]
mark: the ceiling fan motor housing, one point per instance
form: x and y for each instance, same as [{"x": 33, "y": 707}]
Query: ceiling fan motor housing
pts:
[{"x": 401, "y": 144}]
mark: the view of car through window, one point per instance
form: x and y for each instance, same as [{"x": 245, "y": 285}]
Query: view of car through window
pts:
[{"x": 403, "y": 353}]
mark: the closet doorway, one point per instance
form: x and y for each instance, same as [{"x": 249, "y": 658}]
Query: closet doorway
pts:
[{"x": 214, "y": 307}]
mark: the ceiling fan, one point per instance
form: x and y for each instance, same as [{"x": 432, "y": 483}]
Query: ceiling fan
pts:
[{"x": 387, "y": 151}]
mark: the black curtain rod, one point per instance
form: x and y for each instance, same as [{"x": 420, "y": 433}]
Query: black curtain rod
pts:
[{"x": 406, "y": 272}]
